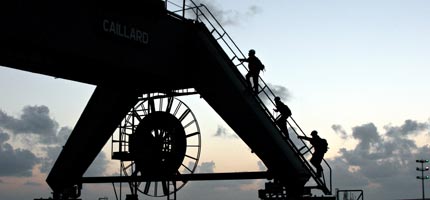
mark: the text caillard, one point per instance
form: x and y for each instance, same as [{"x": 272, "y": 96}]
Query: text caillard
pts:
[{"x": 124, "y": 31}]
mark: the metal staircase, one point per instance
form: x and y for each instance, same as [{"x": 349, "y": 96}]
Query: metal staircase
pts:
[{"x": 202, "y": 15}]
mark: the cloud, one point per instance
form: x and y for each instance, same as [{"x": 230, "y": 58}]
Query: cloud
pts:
[
  {"x": 33, "y": 120},
  {"x": 48, "y": 161},
  {"x": 278, "y": 91},
  {"x": 410, "y": 127},
  {"x": 224, "y": 133},
  {"x": 368, "y": 137},
  {"x": 383, "y": 164},
  {"x": 97, "y": 168},
  {"x": 206, "y": 167},
  {"x": 99, "y": 165},
  {"x": 37, "y": 131},
  {"x": 230, "y": 17},
  {"x": 253, "y": 10},
  {"x": 15, "y": 162},
  {"x": 3, "y": 137},
  {"x": 339, "y": 130},
  {"x": 63, "y": 135}
]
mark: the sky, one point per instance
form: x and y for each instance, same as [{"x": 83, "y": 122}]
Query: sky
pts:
[{"x": 356, "y": 71}]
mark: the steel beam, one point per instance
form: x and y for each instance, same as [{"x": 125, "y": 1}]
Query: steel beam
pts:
[{"x": 181, "y": 177}]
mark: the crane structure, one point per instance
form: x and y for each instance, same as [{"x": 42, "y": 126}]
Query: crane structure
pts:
[{"x": 140, "y": 56}]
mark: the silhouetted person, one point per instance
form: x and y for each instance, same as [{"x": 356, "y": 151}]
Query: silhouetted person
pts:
[
  {"x": 254, "y": 67},
  {"x": 320, "y": 146},
  {"x": 285, "y": 112}
]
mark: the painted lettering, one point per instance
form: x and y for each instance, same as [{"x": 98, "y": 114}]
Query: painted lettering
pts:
[{"x": 124, "y": 31}]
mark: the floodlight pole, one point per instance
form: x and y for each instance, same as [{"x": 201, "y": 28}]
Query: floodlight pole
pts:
[
  {"x": 183, "y": 8},
  {"x": 422, "y": 177}
]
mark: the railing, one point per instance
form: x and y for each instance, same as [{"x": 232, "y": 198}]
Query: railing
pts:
[
  {"x": 349, "y": 194},
  {"x": 200, "y": 13}
]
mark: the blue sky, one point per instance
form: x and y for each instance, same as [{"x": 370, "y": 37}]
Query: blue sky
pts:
[{"x": 356, "y": 71}]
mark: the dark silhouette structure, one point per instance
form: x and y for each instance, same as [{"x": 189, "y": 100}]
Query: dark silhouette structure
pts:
[
  {"x": 285, "y": 112},
  {"x": 254, "y": 67},
  {"x": 320, "y": 146},
  {"x": 139, "y": 49}
]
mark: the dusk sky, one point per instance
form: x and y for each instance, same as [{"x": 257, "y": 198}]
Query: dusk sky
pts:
[{"x": 356, "y": 71}]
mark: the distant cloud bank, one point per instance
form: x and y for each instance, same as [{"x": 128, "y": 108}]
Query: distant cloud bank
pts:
[
  {"x": 40, "y": 140},
  {"x": 381, "y": 161}
]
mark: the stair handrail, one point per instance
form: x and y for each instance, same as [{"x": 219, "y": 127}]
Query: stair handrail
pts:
[
  {"x": 305, "y": 146},
  {"x": 262, "y": 84},
  {"x": 265, "y": 89}
]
